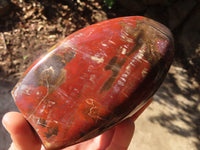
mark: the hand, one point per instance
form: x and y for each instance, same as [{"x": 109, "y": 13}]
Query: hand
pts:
[{"x": 117, "y": 138}]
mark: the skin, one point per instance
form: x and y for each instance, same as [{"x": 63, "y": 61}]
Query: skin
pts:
[{"x": 116, "y": 138}]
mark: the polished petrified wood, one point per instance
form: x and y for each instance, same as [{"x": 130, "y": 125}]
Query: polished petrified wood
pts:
[{"x": 93, "y": 79}]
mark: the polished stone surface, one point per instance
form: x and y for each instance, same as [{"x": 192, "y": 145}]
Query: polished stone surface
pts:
[{"x": 93, "y": 79}]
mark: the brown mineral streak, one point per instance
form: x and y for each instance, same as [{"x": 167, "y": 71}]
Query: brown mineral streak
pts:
[
  {"x": 144, "y": 34},
  {"x": 51, "y": 73},
  {"x": 150, "y": 35},
  {"x": 115, "y": 66},
  {"x": 51, "y": 131},
  {"x": 159, "y": 27},
  {"x": 42, "y": 122}
]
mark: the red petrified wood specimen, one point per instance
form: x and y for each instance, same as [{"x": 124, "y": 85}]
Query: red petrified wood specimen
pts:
[{"x": 93, "y": 79}]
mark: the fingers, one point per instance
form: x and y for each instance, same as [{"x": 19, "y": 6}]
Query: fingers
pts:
[
  {"x": 24, "y": 138},
  {"x": 124, "y": 131},
  {"x": 122, "y": 136},
  {"x": 21, "y": 133}
]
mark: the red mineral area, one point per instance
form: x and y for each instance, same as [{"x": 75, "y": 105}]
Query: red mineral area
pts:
[{"x": 93, "y": 79}]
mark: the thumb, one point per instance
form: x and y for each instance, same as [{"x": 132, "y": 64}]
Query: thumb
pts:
[{"x": 21, "y": 132}]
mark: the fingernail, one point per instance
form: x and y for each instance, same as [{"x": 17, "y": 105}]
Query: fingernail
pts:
[
  {"x": 3, "y": 122},
  {"x": 12, "y": 147}
]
